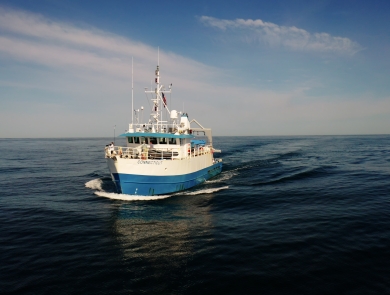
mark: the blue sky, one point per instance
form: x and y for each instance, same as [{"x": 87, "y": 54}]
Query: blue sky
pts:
[{"x": 240, "y": 67}]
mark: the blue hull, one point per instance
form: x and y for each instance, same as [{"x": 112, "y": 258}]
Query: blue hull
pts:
[{"x": 147, "y": 185}]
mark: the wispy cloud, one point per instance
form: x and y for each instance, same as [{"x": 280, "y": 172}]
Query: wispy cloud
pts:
[
  {"x": 79, "y": 67},
  {"x": 281, "y": 36},
  {"x": 33, "y": 38}
]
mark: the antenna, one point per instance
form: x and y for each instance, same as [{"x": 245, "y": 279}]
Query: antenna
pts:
[
  {"x": 158, "y": 55},
  {"x": 114, "y": 134},
  {"x": 132, "y": 98}
]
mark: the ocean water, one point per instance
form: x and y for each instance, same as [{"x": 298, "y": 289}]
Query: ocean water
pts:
[{"x": 288, "y": 215}]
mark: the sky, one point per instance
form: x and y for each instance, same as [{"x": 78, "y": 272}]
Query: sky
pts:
[{"x": 250, "y": 68}]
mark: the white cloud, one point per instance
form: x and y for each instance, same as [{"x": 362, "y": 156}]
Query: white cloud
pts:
[
  {"x": 33, "y": 38},
  {"x": 281, "y": 36},
  {"x": 45, "y": 63}
]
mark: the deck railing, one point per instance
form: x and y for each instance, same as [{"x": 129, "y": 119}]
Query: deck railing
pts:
[{"x": 146, "y": 153}]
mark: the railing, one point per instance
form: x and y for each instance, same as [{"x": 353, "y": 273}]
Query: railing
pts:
[
  {"x": 123, "y": 152},
  {"x": 143, "y": 153},
  {"x": 164, "y": 128},
  {"x": 199, "y": 151},
  {"x": 146, "y": 153}
]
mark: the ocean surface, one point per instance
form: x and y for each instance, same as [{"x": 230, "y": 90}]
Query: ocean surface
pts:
[{"x": 288, "y": 215}]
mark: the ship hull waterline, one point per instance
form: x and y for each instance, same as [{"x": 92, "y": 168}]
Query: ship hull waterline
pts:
[{"x": 149, "y": 185}]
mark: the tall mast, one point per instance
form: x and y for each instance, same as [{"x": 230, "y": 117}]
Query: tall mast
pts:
[
  {"x": 132, "y": 98},
  {"x": 158, "y": 105},
  {"x": 158, "y": 87}
]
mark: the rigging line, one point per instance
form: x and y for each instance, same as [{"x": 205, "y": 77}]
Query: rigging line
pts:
[{"x": 148, "y": 101}]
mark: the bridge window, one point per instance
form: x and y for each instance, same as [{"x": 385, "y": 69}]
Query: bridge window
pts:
[
  {"x": 162, "y": 140},
  {"x": 172, "y": 141}
]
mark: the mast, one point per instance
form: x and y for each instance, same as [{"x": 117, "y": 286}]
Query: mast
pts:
[
  {"x": 158, "y": 101},
  {"x": 132, "y": 97},
  {"x": 158, "y": 75}
]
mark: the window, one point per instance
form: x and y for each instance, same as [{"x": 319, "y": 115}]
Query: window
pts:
[
  {"x": 130, "y": 140},
  {"x": 172, "y": 141},
  {"x": 153, "y": 140},
  {"x": 162, "y": 140}
]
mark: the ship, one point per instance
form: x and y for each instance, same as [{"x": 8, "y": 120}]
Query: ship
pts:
[{"x": 167, "y": 154}]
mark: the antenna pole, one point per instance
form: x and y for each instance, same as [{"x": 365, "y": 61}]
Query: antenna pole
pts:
[
  {"x": 132, "y": 98},
  {"x": 157, "y": 99}
]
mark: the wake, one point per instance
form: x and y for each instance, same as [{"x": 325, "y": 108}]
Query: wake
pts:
[
  {"x": 203, "y": 191},
  {"x": 96, "y": 184},
  {"x": 124, "y": 197},
  {"x": 224, "y": 176}
]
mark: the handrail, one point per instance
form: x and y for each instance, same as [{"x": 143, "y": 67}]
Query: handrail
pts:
[{"x": 143, "y": 152}]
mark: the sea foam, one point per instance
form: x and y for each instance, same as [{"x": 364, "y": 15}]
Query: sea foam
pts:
[
  {"x": 125, "y": 197},
  {"x": 204, "y": 191},
  {"x": 224, "y": 176},
  {"x": 96, "y": 184}
]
